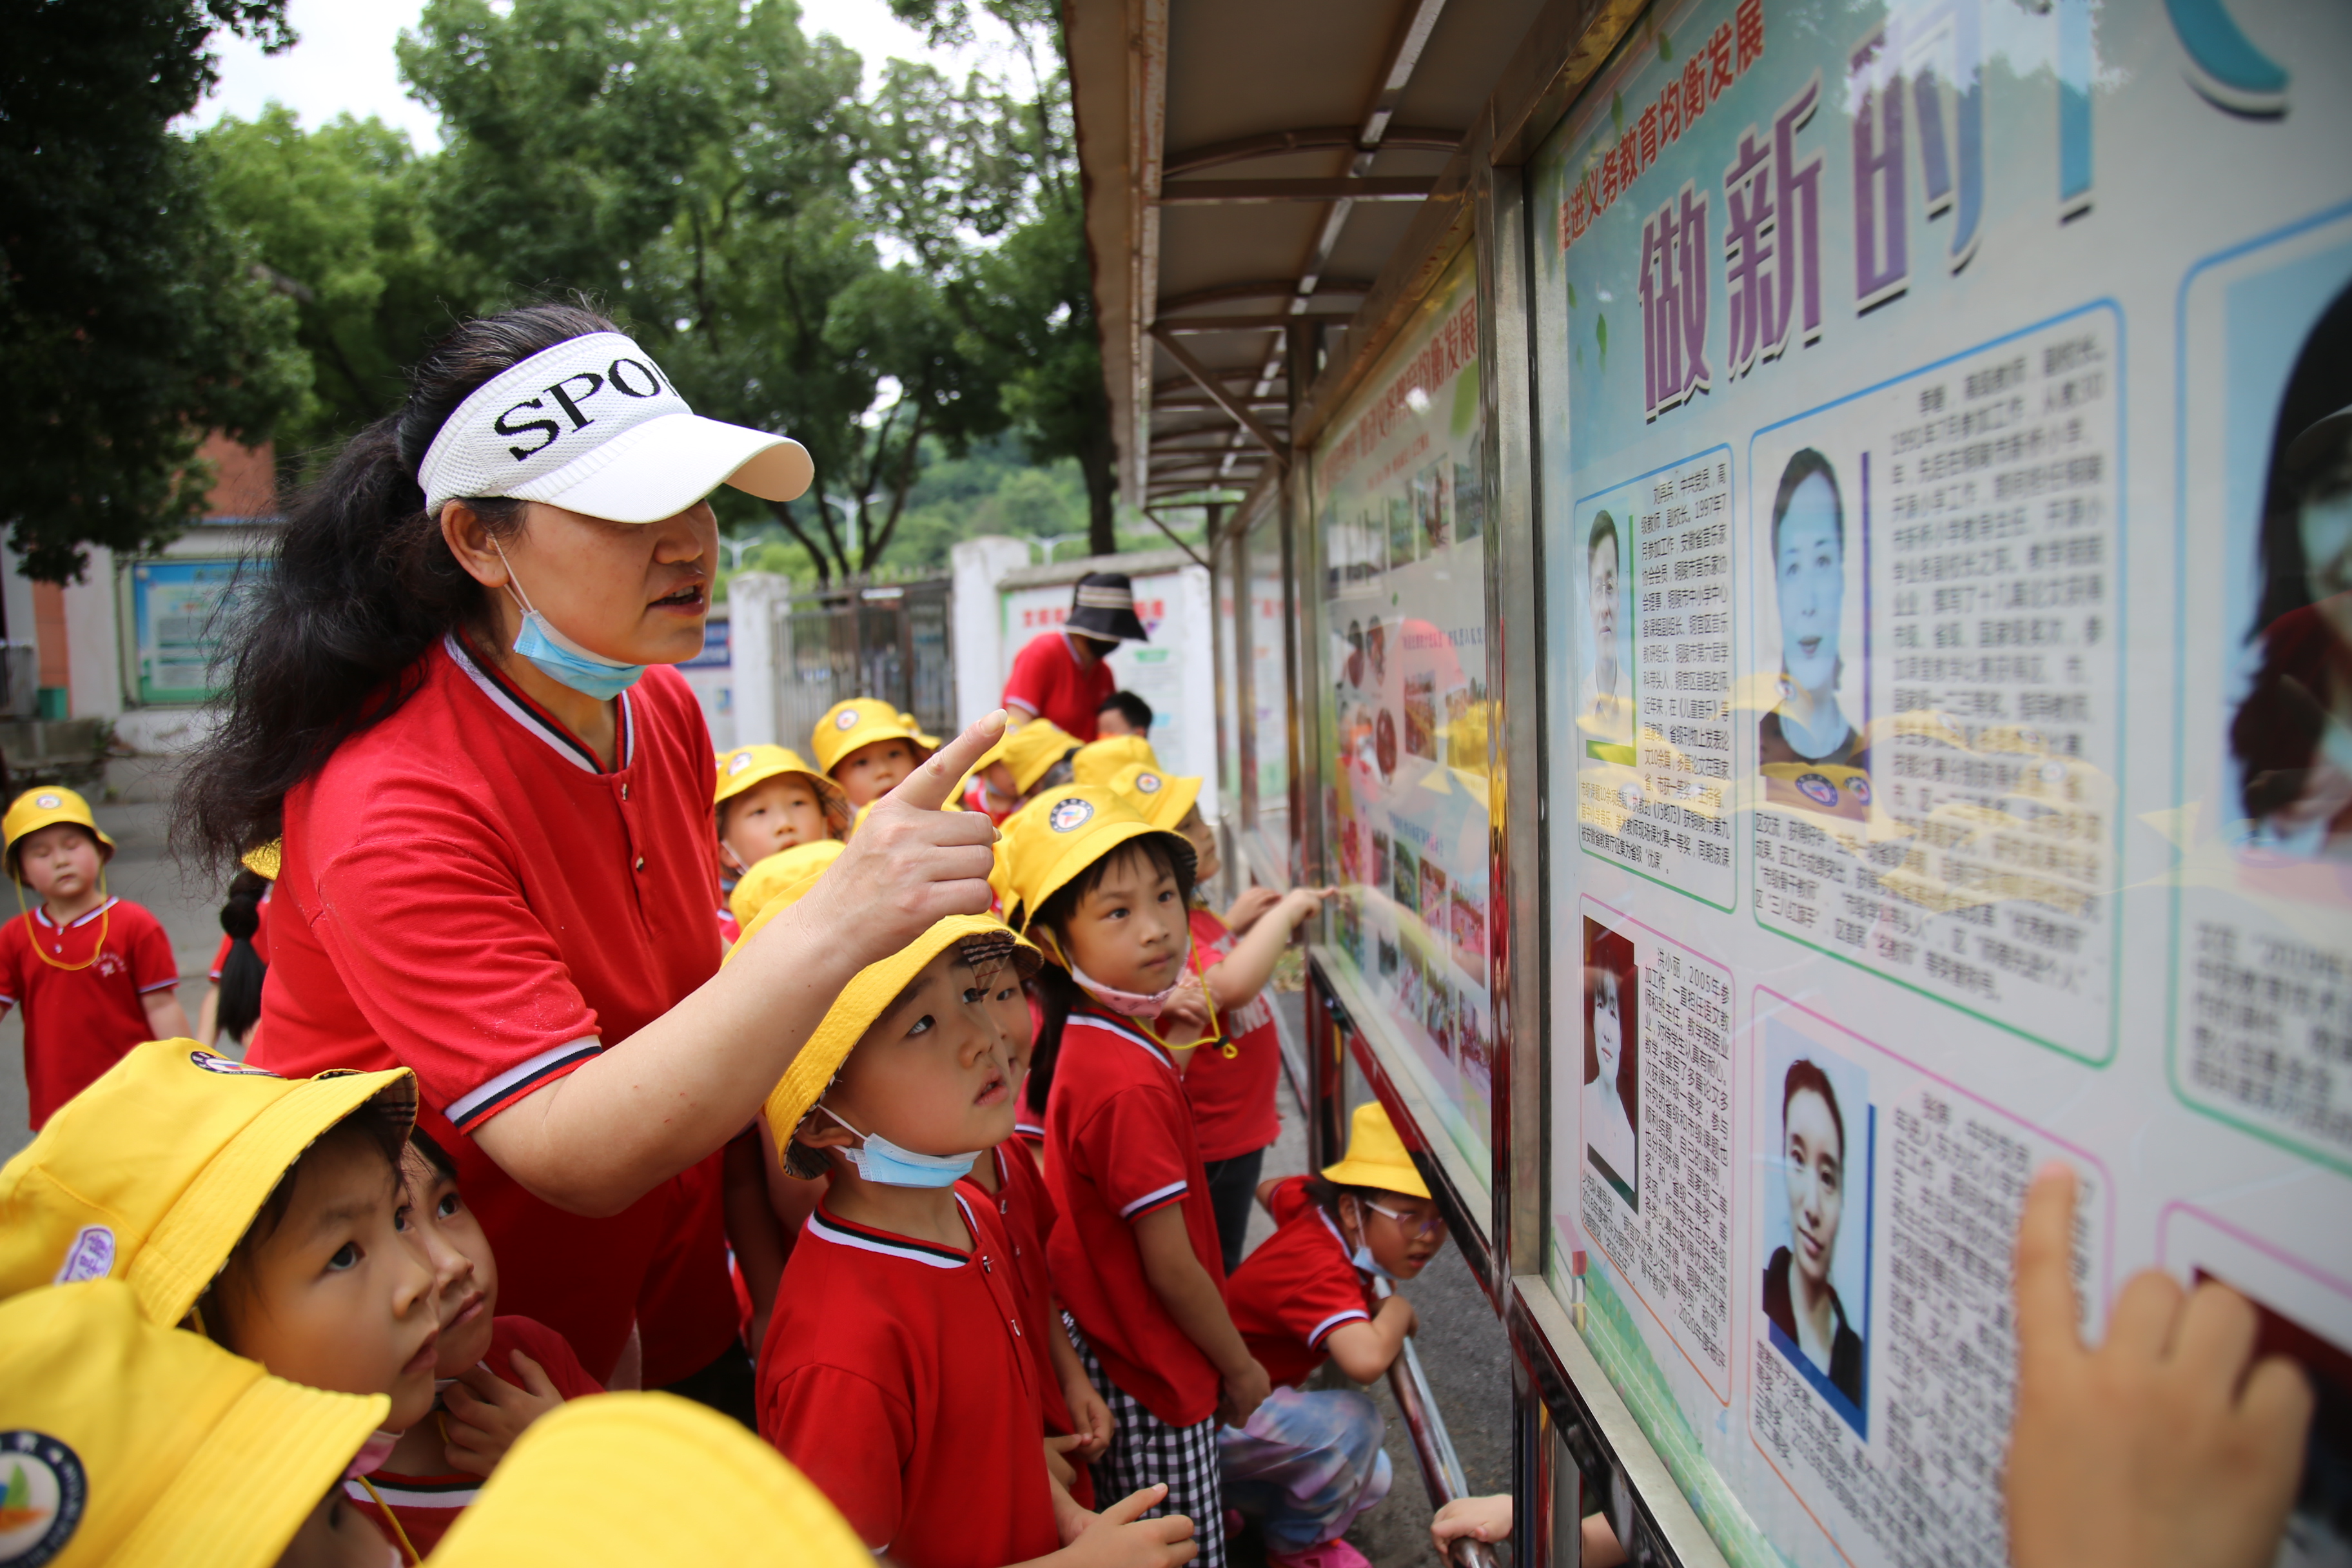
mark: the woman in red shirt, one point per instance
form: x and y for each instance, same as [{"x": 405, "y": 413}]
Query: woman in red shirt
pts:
[{"x": 447, "y": 697}]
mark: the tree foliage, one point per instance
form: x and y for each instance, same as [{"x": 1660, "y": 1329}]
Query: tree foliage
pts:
[{"x": 132, "y": 317}]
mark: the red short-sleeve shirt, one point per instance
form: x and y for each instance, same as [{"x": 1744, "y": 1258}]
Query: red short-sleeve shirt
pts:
[
  {"x": 426, "y": 1506},
  {"x": 1298, "y": 1286},
  {"x": 1048, "y": 681},
  {"x": 1119, "y": 1144},
  {"x": 1026, "y": 1211},
  {"x": 81, "y": 1021},
  {"x": 896, "y": 1374},
  {"x": 1235, "y": 1106},
  {"x": 465, "y": 891}
]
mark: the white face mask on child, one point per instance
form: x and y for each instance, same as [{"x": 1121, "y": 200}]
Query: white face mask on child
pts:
[{"x": 887, "y": 1164}]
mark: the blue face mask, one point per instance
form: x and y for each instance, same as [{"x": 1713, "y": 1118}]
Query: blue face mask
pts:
[
  {"x": 885, "y": 1164},
  {"x": 560, "y": 658}
]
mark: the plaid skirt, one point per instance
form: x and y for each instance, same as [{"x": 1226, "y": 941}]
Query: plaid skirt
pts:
[{"x": 1146, "y": 1451}]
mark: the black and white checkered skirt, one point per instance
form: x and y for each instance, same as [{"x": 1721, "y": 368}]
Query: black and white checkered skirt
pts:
[{"x": 1146, "y": 1451}]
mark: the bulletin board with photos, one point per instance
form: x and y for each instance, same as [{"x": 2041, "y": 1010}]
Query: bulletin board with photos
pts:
[
  {"x": 1398, "y": 492},
  {"x": 1944, "y": 427}
]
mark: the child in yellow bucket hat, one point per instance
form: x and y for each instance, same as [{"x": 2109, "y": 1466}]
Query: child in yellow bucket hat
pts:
[
  {"x": 263, "y": 1212},
  {"x": 1023, "y": 762},
  {"x": 1099, "y": 761},
  {"x": 866, "y": 746},
  {"x": 130, "y": 1443},
  {"x": 1306, "y": 1295},
  {"x": 94, "y": 974},
  {"x": 787, "y": 869},
  {"x": 897, "y": 1372},
  {"x": 700, "y": 1489},
  {"x": 769, "y": 800},
  {"x": 1135, "y": 1257},
  {"x": 1233, "y": 1086}
]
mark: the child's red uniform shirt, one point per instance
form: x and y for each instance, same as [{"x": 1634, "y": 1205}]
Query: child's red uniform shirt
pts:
[
  {"x": 1027, "y": 1212},
  {"x": 467, "y": 891},
  {"x": 1119, "y": 1144},
  {"x": 426, "y": 1506},
  {"x": 81, "y": 1021},
  {"x": 896, "y": 1374},
  {"x": 1234, "y": 1103},
  {"x": 1298, "y": 1286}
]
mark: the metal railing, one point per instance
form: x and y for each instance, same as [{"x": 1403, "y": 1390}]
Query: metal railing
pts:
[
  {"x": 1441, "y": 1468},
  {"x": 890, "y": 642}
]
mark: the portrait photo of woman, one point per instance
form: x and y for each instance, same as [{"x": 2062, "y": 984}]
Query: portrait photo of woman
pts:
[
  {"x": 1612, "y": 1064},
  {"x": 1607, "y": 716},
  {"x": 1816, "y": 754},
  {"x": 2292, "y": 736},
  {"x": 1801, "y": 1302}
]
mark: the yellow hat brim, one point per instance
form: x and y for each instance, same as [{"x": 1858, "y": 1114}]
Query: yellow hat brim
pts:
[
  {"x": 22, "y": 818},
  {"x": 699, "y": 1488},
  {"x": 173, "y": 1258},
  {"x": 832, "y": 745},
  {"x": 771, "y": 879},
  {"x": 862, "y": 1001},
  {"x": 1379, "y": 1174},
  {"x": 1073, "y": 853},
  {"x": 836, "y": 805},
  {"x": 1163, "y": 808},
  {"x": 256, "y": 1477}
]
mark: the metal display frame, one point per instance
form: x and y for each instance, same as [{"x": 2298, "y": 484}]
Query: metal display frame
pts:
[{"x": 1572, "y": 1428}]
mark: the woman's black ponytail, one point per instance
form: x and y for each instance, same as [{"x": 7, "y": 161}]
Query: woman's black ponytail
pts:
[
  {"x": 239, "y": 1004},
  {"x": 360, "y": 587}
]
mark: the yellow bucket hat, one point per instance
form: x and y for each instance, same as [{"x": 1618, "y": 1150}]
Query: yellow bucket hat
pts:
[
  {"x": 264, "y": 861},
  {"x": 861, "y": 722},
  {"x": 1160, "y": 799},
  {"x": 700, "y": 1490},
  {"x": 127, "y": 1441},
  {"x": 862, "y": 1000},
  {"x": 744, "y": 766},
  {"x": 1030, "y": 752},
  {"x": 151, "y": 1175},
  {"x": 790, "y": 870},
  {"x": 1061, "y": 833},
  {"x": 1376, "y": 1156},
  {"x": 46, "y": 807},
  {"x": 929, "y": 743},
  {"x": 1099, "y": 761}
]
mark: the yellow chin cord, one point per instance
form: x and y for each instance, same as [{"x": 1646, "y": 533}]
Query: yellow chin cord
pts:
[{"x": 106, "y": 915}]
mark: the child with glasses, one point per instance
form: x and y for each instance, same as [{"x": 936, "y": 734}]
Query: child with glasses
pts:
[{"x": 1308, "y": 1465}]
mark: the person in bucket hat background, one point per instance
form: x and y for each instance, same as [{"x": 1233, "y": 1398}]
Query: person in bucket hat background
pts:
[
  {"x": 93, "y": 972},
  {"x": 1064, "y": 675}
]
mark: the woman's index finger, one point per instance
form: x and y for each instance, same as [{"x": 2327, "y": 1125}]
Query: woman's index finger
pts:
[
  {"x": 2046, "y": 1308},
  {"x": 930, "y": 785}
]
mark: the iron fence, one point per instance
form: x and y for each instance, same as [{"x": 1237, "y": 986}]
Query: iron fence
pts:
[{"x": 890, "y": 642}]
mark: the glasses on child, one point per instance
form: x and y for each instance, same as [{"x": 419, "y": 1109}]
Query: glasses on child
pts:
[{"x": 1434, "y": 1225}]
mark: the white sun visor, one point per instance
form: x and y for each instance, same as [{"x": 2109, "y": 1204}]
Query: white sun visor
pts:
[{"x": 593, "y": 427}]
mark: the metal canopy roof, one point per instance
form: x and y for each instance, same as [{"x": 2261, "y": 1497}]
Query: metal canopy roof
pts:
[{"x": 1253, "y": 168}]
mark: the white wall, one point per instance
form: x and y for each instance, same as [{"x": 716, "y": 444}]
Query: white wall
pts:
[{"x": 977, "y": 630}]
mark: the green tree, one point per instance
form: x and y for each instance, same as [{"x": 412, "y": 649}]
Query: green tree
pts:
[
  {"x": 336, "y": 215},
  {"x": 693, "y": 163},
  {"x": 1009, "y": 172},
  {"x": 132, "y": 319}
]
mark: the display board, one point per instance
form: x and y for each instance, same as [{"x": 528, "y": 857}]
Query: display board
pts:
[
  {"x": 175, "y": 614},
  {"x": 1401, "y": 720},
  {"x": 1944, "y": 414}
]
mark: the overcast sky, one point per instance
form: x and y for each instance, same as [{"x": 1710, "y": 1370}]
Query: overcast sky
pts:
[{"x": 345, "y": 61}]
